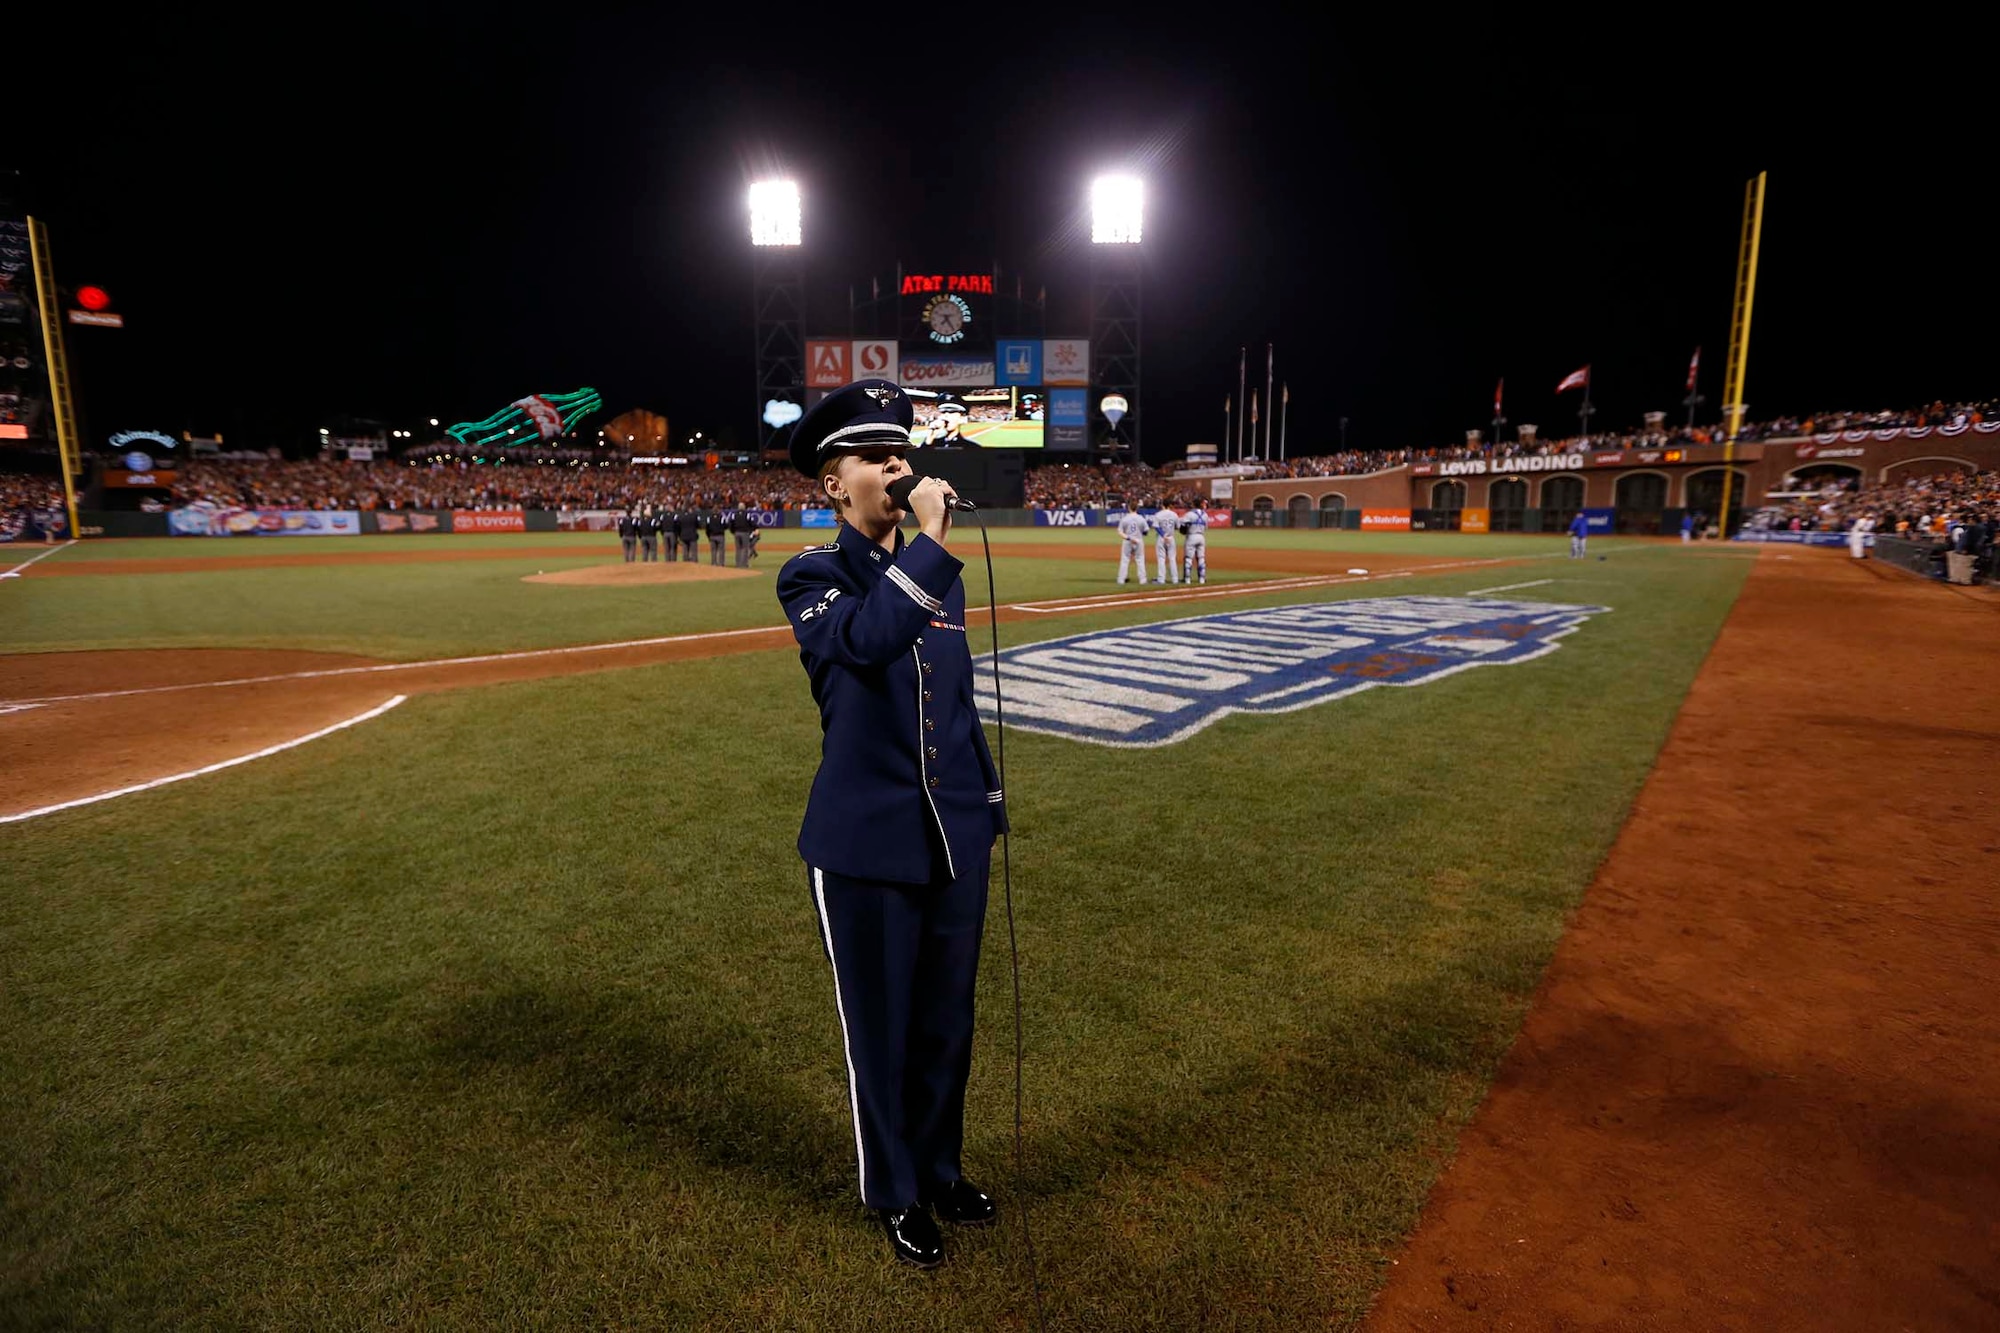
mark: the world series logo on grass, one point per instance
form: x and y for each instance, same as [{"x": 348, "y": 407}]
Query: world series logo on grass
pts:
[{"x": 1157, "y": 684}]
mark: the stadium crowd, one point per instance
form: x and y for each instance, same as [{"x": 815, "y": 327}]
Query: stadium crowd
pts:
[
  {"x": 331, "y": 484},
  {"x": 1920, "y": 508},
  {"x": 30, "y": 506}
]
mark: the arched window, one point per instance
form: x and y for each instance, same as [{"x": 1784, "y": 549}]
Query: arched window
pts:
[
  {"x": 1332, "y": 500},
  {"x": 1704, "y": 491},
  {"x": 1639, "y": 497},
  {"x": 1262, "y": 502},
  {"x": 1507, "y": 502},
  {"x": 1447, "y": 500},
  {"x": 1561, "y": 498}
]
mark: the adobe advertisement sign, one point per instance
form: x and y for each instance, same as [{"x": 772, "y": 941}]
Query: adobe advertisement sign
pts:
[{"x": 829, "y": 363}]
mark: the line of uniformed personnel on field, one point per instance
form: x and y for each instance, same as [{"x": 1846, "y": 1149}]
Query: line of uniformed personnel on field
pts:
[{"x": 642, "y": 531}]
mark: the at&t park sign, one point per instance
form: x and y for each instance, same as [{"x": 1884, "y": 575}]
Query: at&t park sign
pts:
[{"x": 1477, "y": 467}]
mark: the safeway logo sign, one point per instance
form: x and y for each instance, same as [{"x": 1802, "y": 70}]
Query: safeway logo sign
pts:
[
  {"x": 875, "y": 359},
  {"x": 827, "y": 364},
  {"x": 1152, "y": 685}
]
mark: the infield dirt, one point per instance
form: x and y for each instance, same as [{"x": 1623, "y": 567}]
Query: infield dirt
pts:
[{"x": 1756, "y": 1088}]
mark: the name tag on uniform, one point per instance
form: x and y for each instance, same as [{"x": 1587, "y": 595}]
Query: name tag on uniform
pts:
[{"x": 946, "y": 624}]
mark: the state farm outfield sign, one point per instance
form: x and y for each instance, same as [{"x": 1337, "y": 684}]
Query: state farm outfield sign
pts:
[
  {"x": 1152, "y": 685},
  {"x": 1479, "y": 467}
]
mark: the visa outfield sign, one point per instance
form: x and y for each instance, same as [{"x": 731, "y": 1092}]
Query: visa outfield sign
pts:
[{"x": 1152, "y": 685}]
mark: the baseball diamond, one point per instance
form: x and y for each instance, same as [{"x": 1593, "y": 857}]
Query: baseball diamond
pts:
[{"x": 380, "y": 885}]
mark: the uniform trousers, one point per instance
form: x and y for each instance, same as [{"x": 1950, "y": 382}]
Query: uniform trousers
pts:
[
  {"x": 1197, "y": 559},
  {"x": 905, "y": 957},
  {"x": 631, "y": 544},
  {"x": 687, "y": 548},
  {"x": 1131, "y": 553},
  {"x": 1163, "y": 549},
  {"x": 715, "y": 550}
]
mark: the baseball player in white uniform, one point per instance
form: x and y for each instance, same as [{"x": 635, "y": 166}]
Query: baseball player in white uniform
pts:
[
  {"x": 1194, "y": 565},
  {"x": 1166, "y": 523},
  {"x": 1131, "y": 548},
  {"x": 1857, "y": 537}
]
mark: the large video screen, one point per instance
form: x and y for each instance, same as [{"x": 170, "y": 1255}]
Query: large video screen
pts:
[{"x": 1009, "y": 417}]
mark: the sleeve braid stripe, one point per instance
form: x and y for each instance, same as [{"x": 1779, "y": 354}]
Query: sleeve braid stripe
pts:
[{"x": 917, "y": 594}]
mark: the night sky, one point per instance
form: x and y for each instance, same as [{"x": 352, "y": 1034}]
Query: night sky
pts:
[{"x": 433, "y": 213}]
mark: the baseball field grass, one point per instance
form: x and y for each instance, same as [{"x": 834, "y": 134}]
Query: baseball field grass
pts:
[{"x": 507, "y": 1010}]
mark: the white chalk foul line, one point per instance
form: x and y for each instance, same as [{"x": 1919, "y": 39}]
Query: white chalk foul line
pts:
[
  {"x": 1508, "y": 587},
  {"x": 1095, "y": 601},
  {"x": 15, "y": 572},
  {"x": 402, "y": 666},
  {"x": 374, "y": 712}
]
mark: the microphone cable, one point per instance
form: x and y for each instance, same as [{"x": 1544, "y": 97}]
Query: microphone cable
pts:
[{"x": 1013, "y": 948}]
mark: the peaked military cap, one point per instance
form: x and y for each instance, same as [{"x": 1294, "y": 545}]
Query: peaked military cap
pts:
[
  {"x": 867, "y": 414},
  {"x": 951, "y": 404}
]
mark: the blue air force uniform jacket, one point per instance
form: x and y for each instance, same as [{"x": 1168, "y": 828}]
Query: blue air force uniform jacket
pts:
[{"x": 906, "y": 789}]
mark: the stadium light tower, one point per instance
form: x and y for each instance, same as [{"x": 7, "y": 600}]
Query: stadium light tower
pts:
[
  {"x": 777, "y": 242},
  {"x": 1117, "y": 220}
]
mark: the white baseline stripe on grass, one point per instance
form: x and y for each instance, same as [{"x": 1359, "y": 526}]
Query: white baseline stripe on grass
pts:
[
  {"x": 15, "y": 572},
  {"x": 1092, "y": 602},
  {"x": 374, "y": 712},
  {"x": 1508, "y": 587}
]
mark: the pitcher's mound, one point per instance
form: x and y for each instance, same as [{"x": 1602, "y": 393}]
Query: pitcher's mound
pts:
[{"x": 640, "y": 574}]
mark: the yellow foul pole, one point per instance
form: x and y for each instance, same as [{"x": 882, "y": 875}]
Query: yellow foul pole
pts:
[
  {"x": 56, "y": 357},
  {"x": 1739, "y": 334}
]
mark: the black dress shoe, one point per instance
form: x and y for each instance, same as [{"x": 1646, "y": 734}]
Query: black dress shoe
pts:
[
  {"x": 912, "y": 1235},
  {"x": 964, "y": 1203}
]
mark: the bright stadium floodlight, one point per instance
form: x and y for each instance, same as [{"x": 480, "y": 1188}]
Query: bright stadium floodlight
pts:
[
  {"x": 774, "y": 213},
  {"x": 1117, "y": 209}
]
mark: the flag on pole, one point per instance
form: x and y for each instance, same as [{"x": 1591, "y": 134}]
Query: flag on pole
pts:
[
  {"x": 1694, "y": 368},
  {"x": 1498, "y": 389},
  {"x": 1228, "y": 404},
  {"x": 1286, "y": 401},
  {"x": 1576, "y": 379},
  {"x": 1253, "y": 407}
]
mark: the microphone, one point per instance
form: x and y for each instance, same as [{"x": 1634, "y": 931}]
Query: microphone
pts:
[{"x": 900, "y": 488}]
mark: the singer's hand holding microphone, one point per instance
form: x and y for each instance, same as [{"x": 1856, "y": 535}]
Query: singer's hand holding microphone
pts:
[{"x": 931, "y": 499}]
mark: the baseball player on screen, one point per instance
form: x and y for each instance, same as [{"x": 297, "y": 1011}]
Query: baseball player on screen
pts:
[
  {"x": 1165, "y": 524},
  {"x": 1132, "y": 548},
  {"x": 1195, "y": 563}
]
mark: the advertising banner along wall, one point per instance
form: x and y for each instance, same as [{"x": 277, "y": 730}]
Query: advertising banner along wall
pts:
[
  {"x": 488, "y": 520},
  {"x": 206, "y": 520}
]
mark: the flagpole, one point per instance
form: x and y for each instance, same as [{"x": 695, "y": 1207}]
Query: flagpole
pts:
[
  {"x": 1270, "y": 354},
  {"x": 1253, "y": 417},
  {"x": 1284, "y": 409},
  {"x": 1242, "y": 364},
  {"x": 1228, "y": 422}
]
